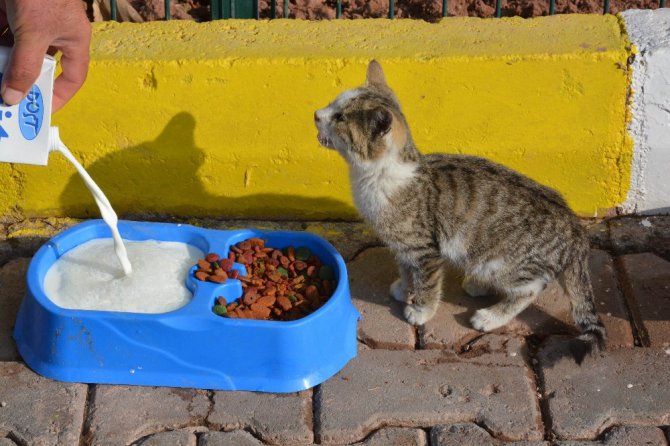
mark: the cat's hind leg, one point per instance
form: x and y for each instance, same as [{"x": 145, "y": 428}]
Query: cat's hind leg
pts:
[
  {"x": 427, "y": 291},
  {"x": 401, "y": 289},
  {"x": 518, "y": 295}
]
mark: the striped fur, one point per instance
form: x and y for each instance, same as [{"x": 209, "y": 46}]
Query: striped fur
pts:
[{"x": 507, "y": 233}]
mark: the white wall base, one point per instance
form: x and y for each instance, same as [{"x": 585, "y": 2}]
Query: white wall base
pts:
[{"x": 650, "y": 126}]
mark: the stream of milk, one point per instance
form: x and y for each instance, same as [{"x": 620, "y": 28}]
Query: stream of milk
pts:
[
  {"x": 108, "y": 214},
  {"x": 87, "y": 276}
]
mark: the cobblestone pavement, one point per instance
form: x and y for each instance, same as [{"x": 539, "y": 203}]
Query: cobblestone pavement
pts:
[{"x": 440, "y": 384}]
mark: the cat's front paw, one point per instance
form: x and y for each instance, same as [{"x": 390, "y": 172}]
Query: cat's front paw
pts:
[
  {"x": 397, "y": 291},
  {"x": 486, "y": 320},
  {"x": 418, "y": 315}
]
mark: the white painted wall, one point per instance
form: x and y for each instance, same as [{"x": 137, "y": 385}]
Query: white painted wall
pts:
[{"x": 650, "y": 126}]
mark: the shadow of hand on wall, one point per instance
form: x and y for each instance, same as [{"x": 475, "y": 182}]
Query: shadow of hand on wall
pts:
[{"x": 159, "y": 179}]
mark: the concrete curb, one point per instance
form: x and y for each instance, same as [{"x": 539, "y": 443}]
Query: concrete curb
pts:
[{"x": 214, "y": 119}]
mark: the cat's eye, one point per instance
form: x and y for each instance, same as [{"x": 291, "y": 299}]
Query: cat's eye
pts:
[{"x": 338, "y": 117}]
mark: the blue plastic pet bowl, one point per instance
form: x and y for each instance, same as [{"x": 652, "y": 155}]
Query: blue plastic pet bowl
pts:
[{"x": 190, "y": 346}]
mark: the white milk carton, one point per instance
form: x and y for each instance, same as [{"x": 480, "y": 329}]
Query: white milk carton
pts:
[{"x": 24, "y": 128}]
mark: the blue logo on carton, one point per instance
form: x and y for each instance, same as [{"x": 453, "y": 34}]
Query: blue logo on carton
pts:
[{"x": 31, "y": 113}]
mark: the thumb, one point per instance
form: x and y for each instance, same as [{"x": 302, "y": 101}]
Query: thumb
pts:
[{"x": 23, "y": 68}]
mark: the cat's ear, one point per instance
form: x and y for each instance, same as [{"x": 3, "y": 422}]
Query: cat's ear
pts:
[
  {"x": 375, "y": 76},
  {"x": 380, "y": 121}
]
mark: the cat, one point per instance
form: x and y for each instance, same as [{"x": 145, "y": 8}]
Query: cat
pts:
[{"x": 507, "y": 233}]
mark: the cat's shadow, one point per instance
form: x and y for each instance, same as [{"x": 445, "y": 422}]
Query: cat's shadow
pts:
[{"x": 534, "y": 315}]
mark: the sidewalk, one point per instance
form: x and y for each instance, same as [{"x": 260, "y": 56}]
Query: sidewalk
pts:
[{"x": 441, "y": 384}]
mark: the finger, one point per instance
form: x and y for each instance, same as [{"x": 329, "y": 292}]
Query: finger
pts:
[
  {"x": 23, "y": 67},
  {"x": 70, "y": 80},
  {"x": 74, "y": 63}
]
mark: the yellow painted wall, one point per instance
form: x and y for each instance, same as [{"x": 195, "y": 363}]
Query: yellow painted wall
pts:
[{"x": 215, "y": 119}]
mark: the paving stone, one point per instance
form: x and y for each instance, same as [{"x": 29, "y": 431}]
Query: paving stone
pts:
[
  {"x": 625, "y": 436},
  {"x": 424, "y": 388},
  {"x": 172, "y": 438},
  {"x": 39, "y": 411},
  {"x": 276, "y": 418},
  {"x": 610, "y": 301},
  {"x": 123, "y": 414},
  {"x": 467, "y": 434},
  {"x": 396, "y": 436},
  {"x": 502, "y": 350},
  {"x": 550, "y": 314},
  {"x": 641, "y": 234},
  {"x": 382, "y": 323},
  {"x": 647, "y": 279},
  {"x": 236, "y": 438},
  {"x": 12, "y": 289},
  {"x": 618, "y": 387},
  {"x": 392, "y": 436},
  {"x": 450, "y": 327}
]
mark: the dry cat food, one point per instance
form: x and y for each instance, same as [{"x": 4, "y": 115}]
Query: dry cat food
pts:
[{"x": 280, "y": 285}]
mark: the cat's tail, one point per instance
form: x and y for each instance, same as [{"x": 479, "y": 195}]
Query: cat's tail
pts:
[{"x": 578, "y": 287}]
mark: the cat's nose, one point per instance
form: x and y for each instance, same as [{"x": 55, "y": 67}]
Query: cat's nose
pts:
[{"x": 316, "y": 116}]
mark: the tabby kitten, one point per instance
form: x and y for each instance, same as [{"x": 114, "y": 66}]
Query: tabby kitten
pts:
[{"x": 507, "y": 233}]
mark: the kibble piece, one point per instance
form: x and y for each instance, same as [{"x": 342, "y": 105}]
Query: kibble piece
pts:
[
  {"x": 204, "y": 264},
  {"x": 216, "y": 279},
  {"x": 326, "y": 272},
  {"x": 285, "y": 303},
  {"x": 201, "y": 275},
  {"x": 259, "y": 311},
  {"x": 311, "y": 292},
  {"x": 302, "y": 253},
  {"x": 212, "y": 257},
  {"x": 266, "y": 301},
  {"x": 250, "y": 295},
  {"x": 220, "y": 310},
  {"x": 226, "y": 264}
]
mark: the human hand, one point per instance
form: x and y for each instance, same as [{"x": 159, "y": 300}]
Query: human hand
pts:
[{"x": 38, "y": 27}]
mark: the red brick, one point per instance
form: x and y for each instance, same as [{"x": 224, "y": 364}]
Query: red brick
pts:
[
  {"x": 618, "y": 387},
  {"x": 172, "y": 438},
  {"x": 124, "y": 414},
  {"x": 276, "y": 418},
  {"x": 467, "y": 434},
  {"x": 382, "y": 323},
  {"x": 647, "y": 279},
  {"x": 624, "y": 436},
  {"x": 38, "y": 411},
  {"x": 425, "y": 388}
]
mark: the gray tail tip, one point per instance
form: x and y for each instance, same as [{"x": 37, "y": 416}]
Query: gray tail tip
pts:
[{"x": 589, "y": 342}]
